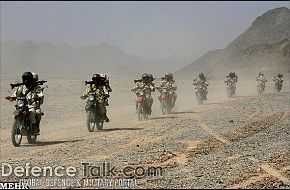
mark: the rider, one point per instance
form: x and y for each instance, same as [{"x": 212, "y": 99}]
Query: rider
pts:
[
  {"x": 278, "y": 78},
  {"x": 147, "y": 85},
  {"x": 232, "y": 77},
  {"x": 201, "y": 81},
  {"x": 34, "y": 95},
  {"x": 98, "y": 88},
  {"x": 261, "y": 78},
  {"x": 169, "y": 84},
  {"x": 107, "y": 87}
]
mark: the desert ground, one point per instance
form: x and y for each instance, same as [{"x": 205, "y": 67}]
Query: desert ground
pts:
[{"x": 242, "y": 142}]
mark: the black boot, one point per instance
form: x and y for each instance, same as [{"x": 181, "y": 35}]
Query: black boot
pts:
[
  {"x": 149, "y": 111},
  {"x": 35, "y": 129},
  {"x": 106, "y": 118},
  {"x": 107, "y": 102}
]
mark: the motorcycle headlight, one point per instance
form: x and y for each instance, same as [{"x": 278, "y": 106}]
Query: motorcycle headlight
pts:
[
  {"x": 91, "y": 98},
  {"x": 141, "y": 93},
  {"x": 20, "y": 103}
]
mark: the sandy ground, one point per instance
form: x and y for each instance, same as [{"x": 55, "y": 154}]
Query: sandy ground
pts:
[{"x": 179, "y": 142}]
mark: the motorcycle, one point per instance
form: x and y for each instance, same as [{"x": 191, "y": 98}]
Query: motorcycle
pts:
[
  {"x": 142, "y": 99},
  {"x": 200, "y": 94},
  {"x": 231, "y": 88},
  {"x": 261, "y": 87},
  {"x": 278, "y": 85},
  {"x": 166, "y": 99},
  {"x": 21, "y": 125},
  {"x": 94, "y": 117}
]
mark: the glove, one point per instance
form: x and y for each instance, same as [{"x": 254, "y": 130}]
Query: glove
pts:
[{"x": 82, "y": 97}]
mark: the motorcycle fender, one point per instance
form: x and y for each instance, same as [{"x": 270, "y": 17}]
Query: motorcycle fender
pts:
[
  {"x": 139, "y": 98},
  {"x": 89, "y": 107}
]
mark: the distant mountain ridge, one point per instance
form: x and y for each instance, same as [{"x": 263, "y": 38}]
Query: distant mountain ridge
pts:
[
  {"x": 263, "y": 46},
  {"x": 67, "y": 61}
]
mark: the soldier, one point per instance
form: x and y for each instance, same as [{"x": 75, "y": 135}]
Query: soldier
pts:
[
  {"x": 262, "y": 79},
  {"x": 232, "y": 77},
  {"x": 169, "y": 84},
  {"x": 201, "y": 81},
  {"x": 98, "y": 88},
  {"x": 35, "y": 97},
  {"x": 278, "y": 82},
  {"x": 147, "y": 85},
  {"x": 107, "y": 87},
  {"x": 278, "y": 78}
]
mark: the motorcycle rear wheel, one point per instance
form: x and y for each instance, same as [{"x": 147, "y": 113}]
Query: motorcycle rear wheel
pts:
[
  {"x": 100, "y": 125},
  {"x": 31, "y": 138},
  {"x": 16, "y": 135}
]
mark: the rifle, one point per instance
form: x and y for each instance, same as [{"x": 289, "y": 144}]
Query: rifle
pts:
[
  {"x": 41, "y": 82},
  {"x": 91, "y": 82},
  {"x": 138, "y": 80}
]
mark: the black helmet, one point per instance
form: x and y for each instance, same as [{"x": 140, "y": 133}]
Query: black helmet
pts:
[
  {"x": 151, "y": 77},
  {"x": 201, "y": 75},
  {"x": 146, "y": 77},
  {"x": 231, "y": 74},
  {"x": 280, "y": 75},
  {"x": 27, "y": 77},
  {"x": 96, "y": 77},
  {"x": 28, "y": 80}
]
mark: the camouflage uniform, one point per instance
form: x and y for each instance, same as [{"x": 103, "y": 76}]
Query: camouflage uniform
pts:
[
  {"x": 100, "y": 95},
  {"x": 170, "y": 85},
  {"x": 148, "y": 88},
  {"x": 278, "y": 79},
  {"x": 200, "y": 82},
  {"x": 33, "y": 106},
  {"x": 232, "y": 79},
  {"x": 261, "y": 78},
  {"x": 107, "y": 90}
]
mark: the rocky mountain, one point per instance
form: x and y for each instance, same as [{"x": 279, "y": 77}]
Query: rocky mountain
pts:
[{"x": 264, "y": 46}]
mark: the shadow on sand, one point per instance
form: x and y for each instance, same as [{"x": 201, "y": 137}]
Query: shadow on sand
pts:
[
  {"x": 165, "y": 117},
  {"x": 182, "y": 112},
  {"x": 40, "y": 143},
  {"x": 119, "y": 129}
]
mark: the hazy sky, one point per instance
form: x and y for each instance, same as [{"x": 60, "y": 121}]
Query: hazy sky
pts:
[{"x": 146, "y": 29}]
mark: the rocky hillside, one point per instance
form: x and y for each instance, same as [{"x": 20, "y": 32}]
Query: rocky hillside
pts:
[{"x": 263, "y": 46}]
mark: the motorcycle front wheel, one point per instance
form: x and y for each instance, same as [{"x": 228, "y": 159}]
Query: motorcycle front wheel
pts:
[
  {"x": 199, "y": 98},
  {"x": 16, "y": 135},
  {"x": 90, "y": 121},
  {"x": 163, "y": 107},
  {"x": 139, "y": 111},
  {"x": 260, "y": 91},
  {"x": 230, "y": 93}
]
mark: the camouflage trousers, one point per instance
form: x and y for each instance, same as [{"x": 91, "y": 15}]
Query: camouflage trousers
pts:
[
  {"x": 34, "y": 115},
  {"x": 102, "y": 106}
]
